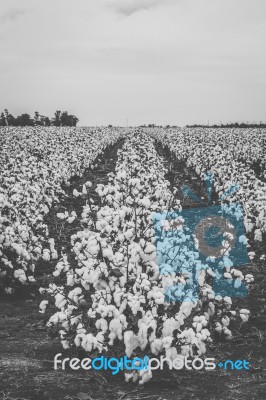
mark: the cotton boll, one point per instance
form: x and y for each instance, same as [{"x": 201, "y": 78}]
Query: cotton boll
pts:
[
  {"x": 226, "y": 321},
  {"x": 70, "y": 279},
  {"x": 61, "y": 216},
  {"x": 145, "y": 376},
  {"x": 54, "y": 255},
  {"x": 131, "y": 376},
  {"x": 43, "y": 306},
  {"x": 65, "y": 344},
  {"x": 244, "y": 317},
  {"x": 237, "y": 283},
  {"x": 218, "y": 327},
  {"x": 76, "y": 193},
  {"x": 20, "y": 275},
  {"x": 46, "y": 255},
  {"x": 258, "y": 235},
  {"x": 227, "y": 275},
  {"x": 131, "y": 342},
  {"x": 249, "y": 278},
  {"x": 156, "y": 346},
  {"x": 9, "y": 290},
  {"x": 60, "y": 301},
  {"x": 227, "y": 333},
  {"x": 251, "y": 255}
]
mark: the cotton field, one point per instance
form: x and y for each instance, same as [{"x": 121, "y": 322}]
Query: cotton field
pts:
[{"x": 126, "y": 282}]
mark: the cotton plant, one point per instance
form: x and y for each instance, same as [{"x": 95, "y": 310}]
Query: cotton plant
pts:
[
  {"x": 126, "y": 290},
  {"x": 35, "y": 162},
  {"x": 230, "y": 156}
]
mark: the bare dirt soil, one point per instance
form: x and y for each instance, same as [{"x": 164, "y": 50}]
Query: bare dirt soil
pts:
[{"x": 27, "y": 353}]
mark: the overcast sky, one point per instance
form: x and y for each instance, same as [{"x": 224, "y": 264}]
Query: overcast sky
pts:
[{"x": 162, "y": 61}]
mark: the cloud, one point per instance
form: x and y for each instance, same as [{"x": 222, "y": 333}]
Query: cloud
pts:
[
  {"x": 11, "y": 15},
  {"x": 165, "y": 61},
  {"x": 129, "y": 7}
]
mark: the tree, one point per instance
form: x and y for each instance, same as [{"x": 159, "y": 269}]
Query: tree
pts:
[
  {"x": 2, "y": 120},
  {"x": 64, "y": 118},
  {"x": 73, "y": 120},
  {"x": 24, "y": 120},
  {"x": 6, "y": 116},
  {"x": 60, "y": 119},
  {"x": 36, "y": 118},
  {"x": 57, "y": 118},
  {"x": 10, "y": 120}
]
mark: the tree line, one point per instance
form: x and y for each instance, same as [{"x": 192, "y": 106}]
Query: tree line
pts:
[
  {"x": 230, "y": 125},
  {"x": 60, "y": 119}
]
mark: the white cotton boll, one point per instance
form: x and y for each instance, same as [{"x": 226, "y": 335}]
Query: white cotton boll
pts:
[
  {"x": 142, "y": 336},
  {"x": 201, "y": 348},
  {"x": 251, "y": 255},
  {"x": 227, "y": 262},
  {"x": 227, "y": 333},
  {"x": 244, "y": 317},
  {"x": 76, "y": 193},
  {"x": 84, "y": 190},
  {"x": 248, "y": 225},
  {"x": 89, "y": 342},
  {"x": 46, "y": 255},
  {"x": 115, "y": 329},
  {"x": 156, "y": 346},
  {"x": 131, "y": 342},
  {"x": 54, "y": 255},
  {"x": 237, "y": 283},
  {"x": 129, "y": 234},
  {"x": 149, "y": 249},
  {"x": 167, "y": 341},
  {"x": 71, "y": 219},
  {"x": 258, "y": 235},
  {"x": 185, "y": 350},
  {"x": 227, "y": 300},
  {"x": 102, "y": 325},
  {"x": 61, "y": 216},
  {"x": 227, "y": 275},
  {"x": 201, "y": 277},
  {"x": 20, "y": 275},
  {"x": 249, "y": 278},
  {"x": 108, "y": 253},
  {"x": 78, "y": 339},
  {"x": 43, "y": 306},
  {"x": 56, "y": 273},
  {"x": 37, "y": 250},
  {"x": 243, "y": 239},
  {"x": 145, "y": 376},
  {"x": 70, "y": 279},
  {"x": 131, "y": 376},
  {"x": 226, "y": 321},
  {"x": 171, "y": 353},
  {"x": 199, "y": 327},
  {"x": 218, "y": 327},
  {"x": 65, "y": 344},
  {"x": 244, "y": 311},
  {"x": 60, "y": 301}
]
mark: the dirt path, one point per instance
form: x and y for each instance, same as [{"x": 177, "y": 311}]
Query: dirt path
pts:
[
  {"x": 27, "y": 353},
  {"x": 62, "y": 231}
]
